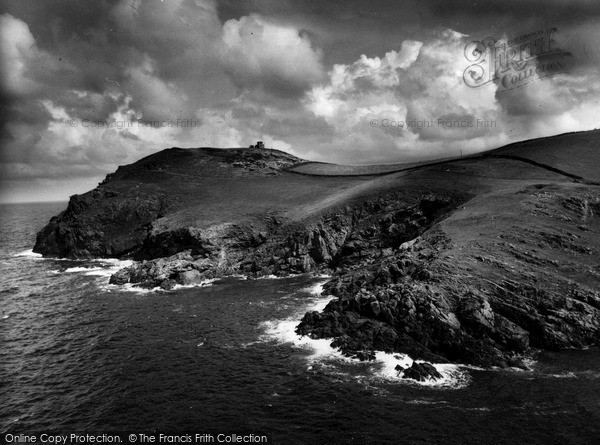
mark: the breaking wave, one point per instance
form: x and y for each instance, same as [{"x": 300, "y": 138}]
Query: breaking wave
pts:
[{"x": 323, "y": 355}]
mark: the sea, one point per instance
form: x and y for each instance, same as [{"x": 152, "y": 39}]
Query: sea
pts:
[{"x": 80, "y": 355}]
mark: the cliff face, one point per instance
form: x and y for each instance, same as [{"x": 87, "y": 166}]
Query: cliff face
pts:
[
  {"x": 344, "y": 236},
  {"x": 478, "y": 292},
  {"x": 100, "y": 224},
  {"x": 143, "y": 209},
  {"x": 474, "y": 261}
]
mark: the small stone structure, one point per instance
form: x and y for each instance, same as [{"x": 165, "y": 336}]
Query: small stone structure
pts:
[{"x": 259, "y": 144}]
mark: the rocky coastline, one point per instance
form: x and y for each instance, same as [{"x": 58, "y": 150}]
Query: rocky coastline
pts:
[{"x": 416, "y": 270}]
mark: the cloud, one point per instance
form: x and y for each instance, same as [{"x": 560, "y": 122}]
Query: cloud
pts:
[
  {"x": 421, "y": 107},
  {"x": 562, "y": 103},
  {"x": 18, "y": 53},
  {"x": 152, "y": 97},
  {"x": 397, "y": 107},
  {"x": 363, "y": 88},
  {"x": 132, "y": 60},
  {"x": 257, "y": 52},
  {"x": 303, "y": 76},
  {"x": 100, "y": 64}
]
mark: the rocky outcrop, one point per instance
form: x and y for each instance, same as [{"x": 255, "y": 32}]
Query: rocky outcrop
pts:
[
  {"x": 450, "y": 269},
  {"x": 182, "y": 268},
  {"x": 436, "y": 300},
  {"x": 351, "y": 235},
  {"x": 131, "y": 212},
  {"x": 100, "y": 224},
  {"x": 421, "y": 372}
]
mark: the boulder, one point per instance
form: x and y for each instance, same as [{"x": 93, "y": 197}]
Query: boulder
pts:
[
  {"x": 168, "y": 284},
  {"x": 421, "y": 372},
  {"x": 120, "y": 277},
  {"x": 189, "y": 277}
]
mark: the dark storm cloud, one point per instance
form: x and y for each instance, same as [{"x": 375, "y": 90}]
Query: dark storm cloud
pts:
[
  {"x": 305, "y": 75},
  {"x": 89, "y": 60},
  {"x": 92, "y": 45},
  {"x": 346, "y": 29}
]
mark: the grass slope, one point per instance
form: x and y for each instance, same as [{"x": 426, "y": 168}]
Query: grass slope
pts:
[{"x": 206, "y": 187}]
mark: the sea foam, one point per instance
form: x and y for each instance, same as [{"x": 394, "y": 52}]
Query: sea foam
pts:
[
  {"x": 383, "y": 368},
  {"x": 29, "y": 254},
  {"x": 103, "y": 267}
]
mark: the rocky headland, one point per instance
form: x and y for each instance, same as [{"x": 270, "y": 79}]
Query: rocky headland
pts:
[{"x": 477, "y": 260}]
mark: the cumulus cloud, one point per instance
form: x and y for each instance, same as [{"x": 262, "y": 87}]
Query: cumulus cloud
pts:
[
  {"x": 16, "y": 43},
  {"x": 414, "y": 103},
  {"x": 154, "y": 98},
  {"x": 305, "y": 77},
  {"x": 396, "y": 107},
  {"x": 133, "y": 60},
  {"x": 260, "y": 53}
]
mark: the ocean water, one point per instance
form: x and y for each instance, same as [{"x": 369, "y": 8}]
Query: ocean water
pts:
[{"x": 79, "y": 355}]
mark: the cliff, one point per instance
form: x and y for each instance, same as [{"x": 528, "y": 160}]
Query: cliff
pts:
[
  {"x": 154, "y": 207},
  {"x": 476, "y": 260}
]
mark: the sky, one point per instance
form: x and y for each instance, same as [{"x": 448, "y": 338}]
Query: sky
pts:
[{"x": 86, "y": 86}]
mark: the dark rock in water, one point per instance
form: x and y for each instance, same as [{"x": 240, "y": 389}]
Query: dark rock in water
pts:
[
  {"x": 421, "y": 372},
  {"x": 168, "y": 284},
  {"x": 364, "y": 356},
  {"x": 120, "y": 277},
  {"x": 188, "y": 277},
  {"x": 516, "y": 362}
]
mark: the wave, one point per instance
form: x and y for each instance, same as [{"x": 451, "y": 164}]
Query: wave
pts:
[
  {"x": 292, "y": 275},
  {"x": 453, "y": 376},
  {"x": 104, "y": 262},
  {"x": 275, "y": 277},
  {"x": 76, "y": 269},
  {"x": 529, "y": 363},
  {"x": 94, "y": 264},
  {"x": 129, "y": 287},
  {"x": 135, "y": 288},
  {"x": 317, "y": 291},
  {"x": 443, "y": 404},
  {"x": 426, "y": 402},
  {"x": 103, "y": 267},
  {"x": 29, "y": 254},
  {"x": 87, "y": 270},
  {"x": 383, "y": 368},
  {"x": 203, "y": 283},
  {"x": 562, "y": 375},
  {"x": 589, "y": 374}
]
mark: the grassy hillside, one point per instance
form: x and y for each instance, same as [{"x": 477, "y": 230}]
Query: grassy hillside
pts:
[
  {"x": 514, "y": 268},
  {"x": 474, "y": 260},
  {"x": 572, "y": 152},
  {"x": 208, "y": 187},
  {"x": 576, "y": 153}
]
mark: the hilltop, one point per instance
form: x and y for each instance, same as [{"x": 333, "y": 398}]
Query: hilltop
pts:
[{"x": 475, "y": 260}]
